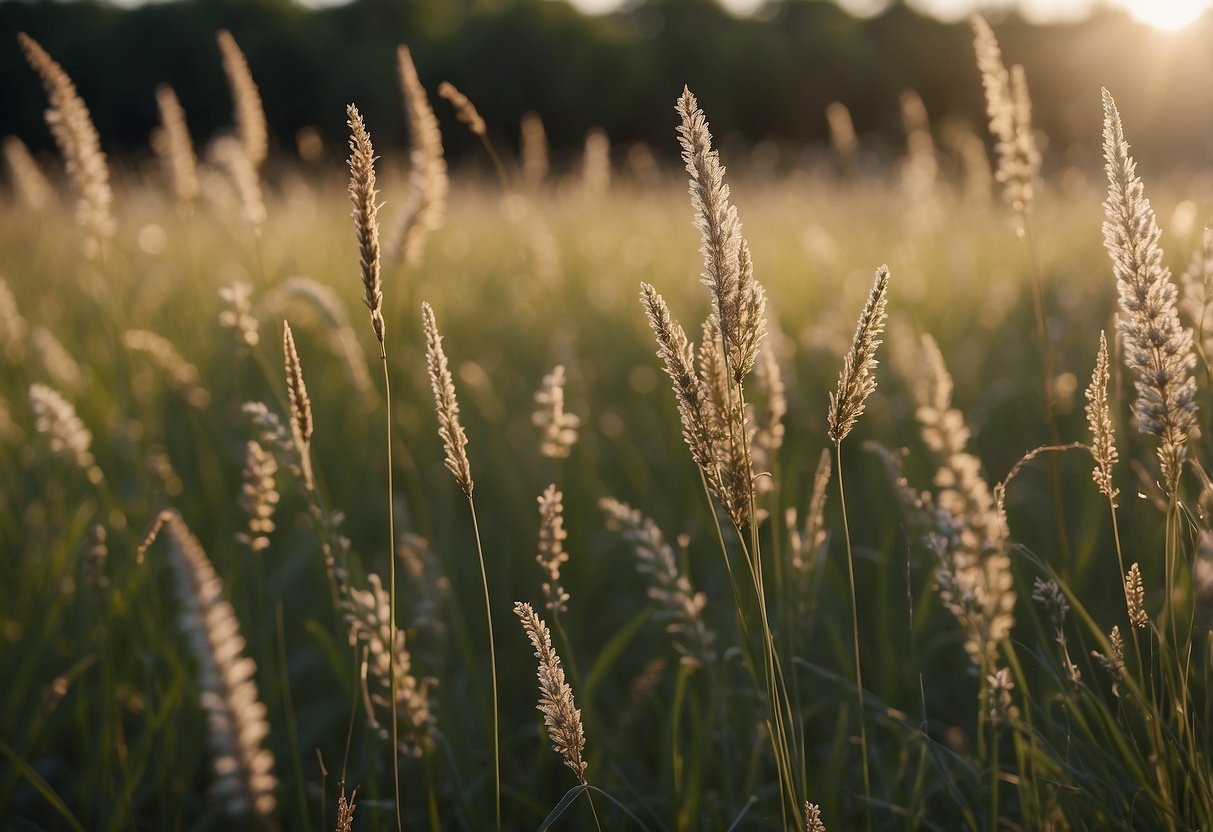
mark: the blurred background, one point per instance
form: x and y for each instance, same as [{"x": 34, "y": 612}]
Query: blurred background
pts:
[{"x": 765, "y": 69}]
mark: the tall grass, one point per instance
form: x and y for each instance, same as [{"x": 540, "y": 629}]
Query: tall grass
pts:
[{"x": 707, "y": 631}]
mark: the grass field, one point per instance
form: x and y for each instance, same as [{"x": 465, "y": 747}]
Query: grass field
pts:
[{"x": 983, "y": 708}]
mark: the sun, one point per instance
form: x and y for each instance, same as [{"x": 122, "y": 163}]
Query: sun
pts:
[{"x": 1171, "y": 15}]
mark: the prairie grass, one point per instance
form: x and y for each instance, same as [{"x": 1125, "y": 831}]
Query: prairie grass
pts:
[{"x": 709, "y": 604}]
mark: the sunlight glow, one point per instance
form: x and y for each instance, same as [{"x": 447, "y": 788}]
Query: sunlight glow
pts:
[{"x": 1171, "y": 15}]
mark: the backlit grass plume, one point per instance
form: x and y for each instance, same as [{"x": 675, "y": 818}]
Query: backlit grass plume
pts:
[
  {"x": 236, "y": 716},
  {"x": 560, "y": 714},
  {"x": 68, "y": 438},
  {"x": 454, "y": 439},
  {"x": 855, "y": 381},
  {"x": 173, "y": 146},
  {"x": 1156, "y": 347},
  {"x": 695, "y": 407},
  {"x": 301, "y": 405},
  {"x": 249, "y": 112},
  {"x": 79, "y": 144},
  {"x": 551, "y": 548},
  {"x": 366, "y": 224},
  {"x": 558, "y": 425},
  {"x": 1010, "y": 111},
  {"x": 428, "y": 185},
  {"x": 465, "y": 110},
  {"x": 737, "y": 298},
  {"x": 679, "y": 605},
  {"x": 974, "y": 573},
  {"x": 1099, "y": 420}
]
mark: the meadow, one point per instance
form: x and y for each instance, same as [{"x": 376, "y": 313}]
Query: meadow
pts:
[{"x": 242, "y": 586}]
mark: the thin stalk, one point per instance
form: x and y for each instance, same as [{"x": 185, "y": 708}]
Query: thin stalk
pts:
[
  {"x": 291, "y": 725},
  {"x": 594, "y": 811},
  {"x": 1046, "y": 357},
  {"x": 863, "y": 731},
  {"x": 391, "y": 552},
  {"x": 993, "y": 776},
  {"x": 680, "y": 687},
  {"x": 776, "y": 684},
  {"x": 488, "y": 615},
  {"x": 505, "y": 186}
]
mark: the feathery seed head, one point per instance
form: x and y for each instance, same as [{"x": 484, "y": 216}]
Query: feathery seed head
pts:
[
  {"x": 68, "y": 438},
  {"x": 238, "y": 313},
  {"x": 428, "y": 183},
  {"x": 1135, "y": 594},
  {"x": 236, "y": 717},
  {"x": 1010, "y": 111},
  {"x": 173, "y": 145},
  {"x": 454, "y": 440},
  {"x": 551, "y": 548},
  {"x": 1099, "y": 420},
  {"x": 465, "y": 110},
  {"x": 250, "y": 115},
  {"x": 366, "y": 224},
  {"x": 737, "y": 299},
  {"x": 79, "y": 144},
  {"x": 855, "y": 381},
  {"x": 677, "y": 355},
  {"x": 812, "y": 818},
  {"x": 1156, "y": 347},
  {"x": 1000, "y": 685},
  {"x": 560, "y": 714},
  {"x": 671, "y": 589},
  {"x": 258, "y": 496},
  {"x": 301, "y": 404},
  {"x": 559, "y": 426}
]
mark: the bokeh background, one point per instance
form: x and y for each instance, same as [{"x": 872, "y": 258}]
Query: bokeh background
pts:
[{"x": 767, "y": 71}]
